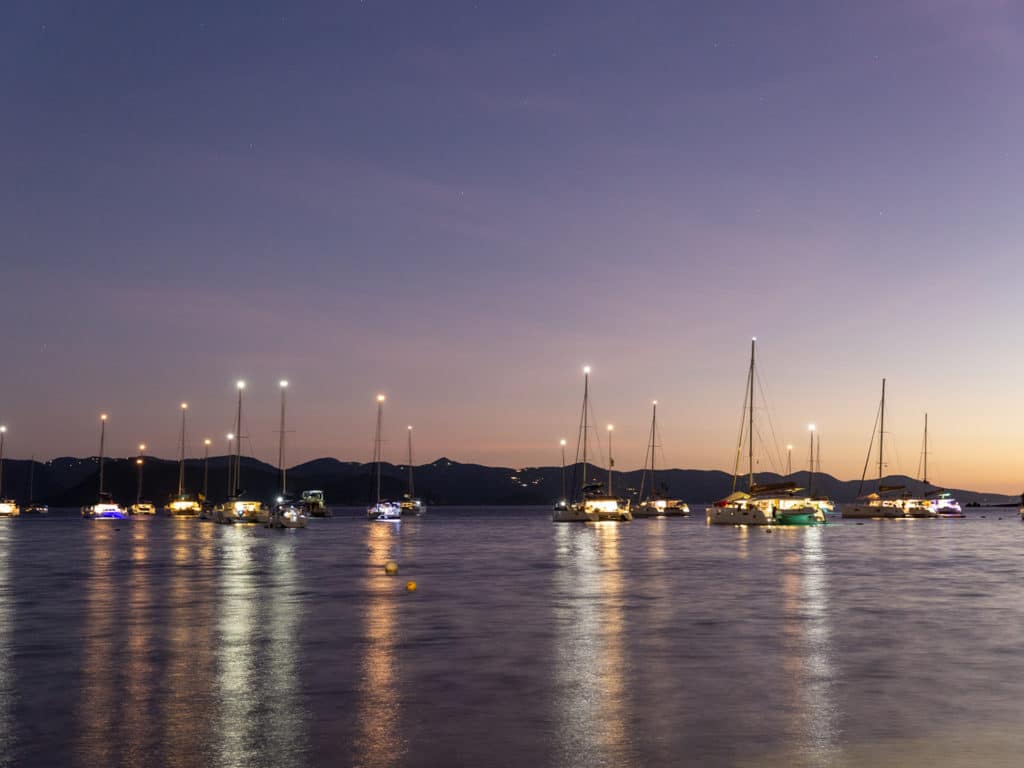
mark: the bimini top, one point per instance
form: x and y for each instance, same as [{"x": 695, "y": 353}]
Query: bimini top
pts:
[{"x": 788, "y": 488}]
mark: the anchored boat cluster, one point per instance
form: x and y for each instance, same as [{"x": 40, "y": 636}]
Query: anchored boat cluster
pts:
[
  {"x": 775, "y": 504},
  {"x": 240, "y": 508}
]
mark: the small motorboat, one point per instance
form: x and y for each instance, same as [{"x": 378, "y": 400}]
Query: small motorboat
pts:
[{"x": 287, "y": 513}]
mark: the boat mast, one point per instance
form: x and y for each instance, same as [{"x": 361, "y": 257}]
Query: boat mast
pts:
[
  {"x": 810, "y": 462},
  {"x": 280, "y": 442},
  {"x": 181, "y": 452},
  {"x": 881, "y": 438},
  {"x": 31, "y": 479},
  {"x": 611, "y": 461},
  {"x": 750, "y": 434},
  {"x": 3, "y": 434},
  {"x": 650, "y": 447},
  {"x": 103, "y": 435},
  {"x": 563, "y": 469},
  {"x": 206, "y": 468},
  {"x": 412, "y": 488},
  {"x": 819, "y": 454},
  {"x": 238, "y": 443},
  {"x": 586, "y": 395},
  {"x": 926, "y": 449},
  {"x": 376, "y": 443}
]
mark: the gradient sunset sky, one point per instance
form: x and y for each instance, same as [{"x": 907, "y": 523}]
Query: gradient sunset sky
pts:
[{"x": 461, "y": 203}]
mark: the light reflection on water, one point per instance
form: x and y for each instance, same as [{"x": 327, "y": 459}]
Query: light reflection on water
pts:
[
  {"x": 379, "y": 740},
  {"x": 659, "y": 642},
  {"x": 7, "y": 681},
  {"x": 98, "y": 708}
]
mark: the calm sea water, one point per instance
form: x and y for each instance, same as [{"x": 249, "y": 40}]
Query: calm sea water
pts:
[{"x": 658, "y": 642}]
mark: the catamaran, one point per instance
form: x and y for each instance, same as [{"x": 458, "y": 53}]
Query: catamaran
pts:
[
  {"x": 772, "y": 504},
  {"x": 182, "y": 504},
  {"x": 285, "y": 512},
  {"x": 654, "y": 504},
  {"x": 595, "y": 502},
  {"x": 105, "y": 507},
  {"x": 8, "y": 507},
  {"x": 889, "y": 501},
  {"x": 381, "y": 510},
  {"x": 238, "y": 509},
  {"x": 412, "y": 506}
]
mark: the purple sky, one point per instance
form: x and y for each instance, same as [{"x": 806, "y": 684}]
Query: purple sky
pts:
[{"x": 459, "y": 204}]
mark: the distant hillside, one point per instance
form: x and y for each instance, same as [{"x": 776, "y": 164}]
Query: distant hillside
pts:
[{"x": 69, "y": 481}]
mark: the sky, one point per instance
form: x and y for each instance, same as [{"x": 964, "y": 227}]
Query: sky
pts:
[{"x": 459, "y": 204}]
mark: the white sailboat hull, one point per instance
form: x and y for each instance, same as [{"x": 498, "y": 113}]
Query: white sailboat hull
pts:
[
  {"x": 574, "y": 514},
  {"x": 735, "y": 515},
  {"x": 857, "y": 511}
]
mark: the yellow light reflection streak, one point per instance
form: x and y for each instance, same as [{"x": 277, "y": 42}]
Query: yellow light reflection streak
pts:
[
  {"x": 379, "y": 741},
  {"x": 7, "y": 683},
  {"x": 98, "y": 709},
  {"x": 136, "y": 657}
]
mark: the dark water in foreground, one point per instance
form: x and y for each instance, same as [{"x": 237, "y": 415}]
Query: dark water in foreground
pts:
[{"x": 659, "y": 642}]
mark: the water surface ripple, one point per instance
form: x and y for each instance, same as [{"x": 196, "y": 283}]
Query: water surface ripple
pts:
[{"x": 653, "y": 643}]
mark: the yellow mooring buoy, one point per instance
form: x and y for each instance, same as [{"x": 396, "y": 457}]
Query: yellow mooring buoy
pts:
[
  {"x": 390, "y": 567},
  {"x": 410, "y": 586}
]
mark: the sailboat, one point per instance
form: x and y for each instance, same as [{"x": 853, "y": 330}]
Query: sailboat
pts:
[
  {"x": 817, "y": 500},
  {"x": 105, "y": 507},
  {"x": 942, "y": 501},
  {"x": 888, "y": 501},
  {"x": 33, "y": 507},
  {"x": 8, "y": 507},
  {"x": 286, "y": 512},
  {"x": 237, "y": 508},
  {"x": 655, "y": 504},
  {"x": 381, "y": 510},
  {"x": 411, "y": 506},
  {"x": 773, "y": 504},
  {"x": 594, "y": 502},
  {"x": 182, "y": 504}
]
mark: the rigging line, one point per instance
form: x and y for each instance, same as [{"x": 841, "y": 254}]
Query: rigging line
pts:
[
  {"x": 739, "y": 441},
  {"x": 580, "y": 437},
  {"x": 597, "y": 436},
  {"x": 867, "y": 459},
  {"x": 892, "y": 445},
  {"x": 776, "y": 461}
]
